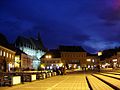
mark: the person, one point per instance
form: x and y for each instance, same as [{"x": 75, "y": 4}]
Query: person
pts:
[{"x": 98, "y": 67}]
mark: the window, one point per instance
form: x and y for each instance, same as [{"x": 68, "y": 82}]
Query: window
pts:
[
  {"x": 0, "y": 52},
  {"x": 10, "y": 55},
  {"x": 7, "y": 55},
  {"x": 4, "y": 53}
]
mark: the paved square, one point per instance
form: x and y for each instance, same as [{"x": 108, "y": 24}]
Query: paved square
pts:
[{"x": 65, "y": 82}]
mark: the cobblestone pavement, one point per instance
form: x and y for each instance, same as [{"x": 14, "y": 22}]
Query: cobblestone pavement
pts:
[{"x": 65, "y": 82}]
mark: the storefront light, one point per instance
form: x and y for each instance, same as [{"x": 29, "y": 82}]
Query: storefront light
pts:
[
  {"x": 88, "y": 60},
  {"x": 114, "y": 60}
]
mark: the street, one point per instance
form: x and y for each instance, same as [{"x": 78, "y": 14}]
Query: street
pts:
[{"x": 66, "y": 82}]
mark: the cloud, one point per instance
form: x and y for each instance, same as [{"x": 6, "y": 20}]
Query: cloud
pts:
[
  {"x": 81, "y": 38},
  {"x": 93, "y": 24},
  {"x": 110, "y": 15}
]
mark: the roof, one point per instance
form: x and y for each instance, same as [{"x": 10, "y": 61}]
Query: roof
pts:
[
  {"x": 18, "y": 51},
  {"x": 4, "y": 42},
  {"x": 71, "y": 49},
  {"x": 37, "y": 43},
  {"x": 22, "y": 40},
  {"x": 3, "y": 39},
  {"x": 89, "y": 54},
  {"x": 109, "y": 53},
  {"x": 55, "y": 53},
  {"x": 31, "y": 42}
]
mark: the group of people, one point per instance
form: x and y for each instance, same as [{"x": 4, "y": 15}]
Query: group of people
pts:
[{"x": 59, "y": 71}]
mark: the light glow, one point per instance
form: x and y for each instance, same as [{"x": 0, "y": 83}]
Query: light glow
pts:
[
  {"x": 42, "y": 66},
  {"x": 99, "y": 53},
  {"x": 114, "y": 60},
  {"x": 61, "y": 64},
  {"x": 88, "y": 60},
  {"x": 48, "y": 56},
  {"x": 93, "y": 60}
]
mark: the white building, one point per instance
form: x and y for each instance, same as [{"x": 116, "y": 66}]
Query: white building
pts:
[{"x": 32, "y": 47}]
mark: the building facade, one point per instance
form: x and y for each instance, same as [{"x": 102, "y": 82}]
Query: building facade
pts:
[
  {"x": 7, "y": 57},
  {"x": 23, "y": 61},
  {"x": 70, "y": 57},
  {"x": 92, "y": 61},
  {"x": 51, "y": 60},
  {"x": 73, "y": 56},
  {"x": 110, "y": 58},
  {"x": 32, "y": 47}
]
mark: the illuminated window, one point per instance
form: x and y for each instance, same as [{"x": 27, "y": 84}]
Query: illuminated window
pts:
[
  {"x": 88, "y": 60},
  {"x": 114, "y": 60},
  {"x": 7, "y": 54},
  {"x": 10, "y": 55},
  {"x": 0, "y": 52},
  {"x": 4, "y": 54}
]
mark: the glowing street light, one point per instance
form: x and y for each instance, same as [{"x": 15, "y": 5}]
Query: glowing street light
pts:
[
  {"x": 61, "y": 64},
  {"x": 48, "y": 56}
]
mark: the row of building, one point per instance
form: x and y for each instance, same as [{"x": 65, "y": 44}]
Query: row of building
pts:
[
  {"x": 23, "y": 54},
  {"x": 30, "y": 53},
  {"x": 110, "y": 58},
  {"x": 69, "y": 57}
]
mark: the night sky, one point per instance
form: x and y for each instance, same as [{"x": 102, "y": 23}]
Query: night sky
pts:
[{"x": 92, "y": 24}]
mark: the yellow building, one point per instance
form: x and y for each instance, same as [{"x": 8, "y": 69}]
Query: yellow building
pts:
[
  {"x": 7, "y": 57},
  {"x": 51, "y": 60},
  {"x": 23, "y": 61},
  {"x": 73, "y": 56}
]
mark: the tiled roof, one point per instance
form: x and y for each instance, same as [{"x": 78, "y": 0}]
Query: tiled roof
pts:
[{"x": 71, "y": 49}]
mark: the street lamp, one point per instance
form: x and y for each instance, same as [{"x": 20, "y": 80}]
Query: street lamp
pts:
[
  {"x": 48, "y": 56},
  {"x": 61, "y": 64}
]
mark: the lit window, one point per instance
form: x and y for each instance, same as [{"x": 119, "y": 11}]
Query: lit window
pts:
[
  {"x": 10, "y": 55},
  {"x": 0, "y": 52},
  {"x": 88, "y": 60},
  {"x": 114, "y": 60},
  {"x": 3, "y": 53},
  {"x": 7, "y": 54}
]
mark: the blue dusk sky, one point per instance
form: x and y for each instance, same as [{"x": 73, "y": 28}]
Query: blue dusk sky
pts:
[{"x": 92, "y": 24}]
